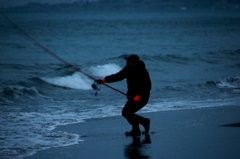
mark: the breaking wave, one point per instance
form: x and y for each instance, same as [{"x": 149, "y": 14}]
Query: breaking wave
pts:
[
  {"x": 75, "y": 81},
  {"x": 79, "y": 81},
  {"x": 229, "y": 83}
]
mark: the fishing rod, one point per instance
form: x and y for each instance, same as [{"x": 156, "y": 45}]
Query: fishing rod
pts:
[{"x": 95, "y": 85}]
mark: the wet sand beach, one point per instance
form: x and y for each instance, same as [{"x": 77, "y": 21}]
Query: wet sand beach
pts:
[{"x": 212, "y": 132}]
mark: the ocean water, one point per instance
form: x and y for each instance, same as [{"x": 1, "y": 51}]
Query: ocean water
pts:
[{"x": 193, "y": 58}]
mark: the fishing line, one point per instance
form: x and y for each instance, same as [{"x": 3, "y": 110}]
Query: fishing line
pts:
[{"x": 40, "y": 46}]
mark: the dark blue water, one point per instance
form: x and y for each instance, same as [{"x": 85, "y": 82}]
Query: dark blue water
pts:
[{"x": 193, "y": 58}]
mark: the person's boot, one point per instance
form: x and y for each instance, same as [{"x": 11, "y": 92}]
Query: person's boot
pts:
[{"x": 146, "y": 125}]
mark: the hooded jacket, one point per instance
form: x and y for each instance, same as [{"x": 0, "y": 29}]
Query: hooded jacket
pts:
[{"x": 137, "y": 77}]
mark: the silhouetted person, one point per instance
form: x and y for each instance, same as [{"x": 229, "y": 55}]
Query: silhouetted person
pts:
[{"x": 139, "y": 86}]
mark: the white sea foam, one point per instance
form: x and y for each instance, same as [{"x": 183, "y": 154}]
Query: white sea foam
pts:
[
  {"x": 75, "y": 81},
  {"x": 27, "y": 132}
]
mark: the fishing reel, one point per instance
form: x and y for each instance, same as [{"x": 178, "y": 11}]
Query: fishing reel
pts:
[{"x": 96, "y": 86}]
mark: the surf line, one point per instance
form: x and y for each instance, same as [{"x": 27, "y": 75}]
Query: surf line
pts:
[{"x": 40, "y": 46}]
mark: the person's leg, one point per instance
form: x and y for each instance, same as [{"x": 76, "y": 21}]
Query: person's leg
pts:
[
  {"x": 141, "y": 120},
  {"x": 129, "y": 110},
  {"x": 145, "y": 122}
]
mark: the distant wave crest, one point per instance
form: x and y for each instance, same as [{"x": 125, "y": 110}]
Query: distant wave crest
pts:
[{"x": 229, "y": 83}]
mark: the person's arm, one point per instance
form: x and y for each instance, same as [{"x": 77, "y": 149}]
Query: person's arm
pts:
[
  {"x": 145, "y": 87},
  {"x": 114, "y": 77}
]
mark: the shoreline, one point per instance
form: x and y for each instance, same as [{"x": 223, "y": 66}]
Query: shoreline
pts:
[{"x": 211, "y": 132}]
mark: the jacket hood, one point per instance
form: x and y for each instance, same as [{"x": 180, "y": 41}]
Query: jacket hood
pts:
[{"x": 141, "y": 65}]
